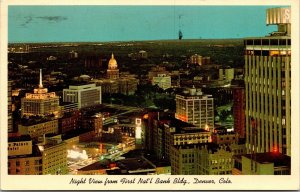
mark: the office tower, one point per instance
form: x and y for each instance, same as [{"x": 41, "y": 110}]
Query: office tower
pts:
[
  {"x": 40, "y": 102},
  {"x": 194, "y": 107},
  {"x": 268, "y": 87},
  {"x": 9, "y": 107},
  {"x": 85, "y": 95}
]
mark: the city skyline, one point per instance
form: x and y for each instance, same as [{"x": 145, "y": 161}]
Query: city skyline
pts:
[{"x": 107, "y": 23}]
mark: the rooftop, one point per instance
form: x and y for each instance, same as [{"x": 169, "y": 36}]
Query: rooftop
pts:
[
  {"x": 35, "y": 153},
  {"x": 213, "y": 147},
  {"x": 271, "y": 157},
  {"x": 95, "y": 166},
  {"x": 19, "y": 138},
  {"x": 133, "y": 164},
  {"x": 33, "y": 120}
]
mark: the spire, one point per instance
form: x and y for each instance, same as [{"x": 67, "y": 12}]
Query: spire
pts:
[
  {"x": 112, "y": 55},
  {"x": 41, "y": 80}
]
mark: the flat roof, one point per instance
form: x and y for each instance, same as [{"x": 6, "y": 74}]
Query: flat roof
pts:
[
  {"x": 132, "y": 164},
  {"x": 35, "y": 153},
  {"x": 95, "y": 166},
  {"x": 278, "y": 159},
  {"x": 210, "y": 146},
  {"x": 20, "y": 138}
]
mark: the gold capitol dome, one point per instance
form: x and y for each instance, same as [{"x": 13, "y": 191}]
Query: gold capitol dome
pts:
[{"x": 112, "y": 64}]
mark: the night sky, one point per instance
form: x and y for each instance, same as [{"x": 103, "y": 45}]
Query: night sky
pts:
[{"x": 126, "y": 23}]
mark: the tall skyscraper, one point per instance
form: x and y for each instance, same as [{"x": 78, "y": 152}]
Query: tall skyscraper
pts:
[
  {"x": 268, "y": 87},
  {"x": 40, "y": 102},
  {"x": 194, "y": 107},
  {"x": 9, "y": 107}
]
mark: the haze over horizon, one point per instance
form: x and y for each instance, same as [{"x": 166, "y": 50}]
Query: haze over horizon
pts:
[{"x": 38, "y": 24}]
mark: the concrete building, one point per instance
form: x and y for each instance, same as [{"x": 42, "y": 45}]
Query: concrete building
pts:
[
  {"x": 40, "y": 102},
  {"x": 162, "y": 80},
  {"x": 23, "y": 157},
  {"x": 268, "y": 87},
  {"x": 194, "y": 107},
  {"x": 268, "y": 163},
  {"x": 36, "y": 127},
  {"x": 54, "y": 152},
  {"x": 201, "y": 159},
  {"x": 85, "y": 95}
]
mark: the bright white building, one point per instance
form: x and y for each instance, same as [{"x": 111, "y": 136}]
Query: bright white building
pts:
[
  {"x": 84, "y": 95},
  {"x": 195, "y": 108}
]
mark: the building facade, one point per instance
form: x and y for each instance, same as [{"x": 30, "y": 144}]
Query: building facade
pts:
[
  {"x": 195, "y": 108},
  {"x": 40, "y": 102},
  {"x": 38, "y": 128},
  {"x": 23, "y": 157},
  {"x": 9, "y": 107},
  {"x": 239, "y": 105},
  {"x": 162, "y": 80},
  {"x": 268, "y": 87},
  {"x": 85, "y": 95},
  {"x": 54, "y": 152}
]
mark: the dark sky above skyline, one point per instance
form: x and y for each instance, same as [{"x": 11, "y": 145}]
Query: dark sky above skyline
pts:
[{"x": 127, "y": 23}]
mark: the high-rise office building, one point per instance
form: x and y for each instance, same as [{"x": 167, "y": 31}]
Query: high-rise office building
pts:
[
  {"x": 268, "y": 87},
  {"x": 85, "y": 95},
  {"x": 9, "y": 107},
  {"x": 194, "y": 107},
  {"x": 40, "y": 102}
]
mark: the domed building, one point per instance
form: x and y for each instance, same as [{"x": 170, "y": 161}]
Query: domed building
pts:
[
  {"x": 115, "y": 83},
  {"x": 112, "y": 71}
]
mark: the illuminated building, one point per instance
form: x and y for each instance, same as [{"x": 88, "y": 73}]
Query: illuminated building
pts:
[
  {"x": 226, "y": 74},
  {"x": 162, "y": 80},
  {"x": 112, "y": 71},
  {"x": 115, "y": 82},
  {"x": 195, "y": 108},
  {"x": 155, "y": 71},
  {"x": 9, "y": 107},
  {"x": 262, "y": 164},
  {"x": 201, "y": 159},
  {"x": 199, "y": 60},
  {"x": 225, "y": 138},
  {"x": 23, "y": 157},
  {"x": 179, "y": 133},
  {"x": 196, "y": 59},
  {"x": 54, "y": 152},
  {"x": 36, "y": 127},
  {"x": 268, "y": 87},
  {"x": 40, "y": 102},
  {"x": 85, "y": 95}
]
